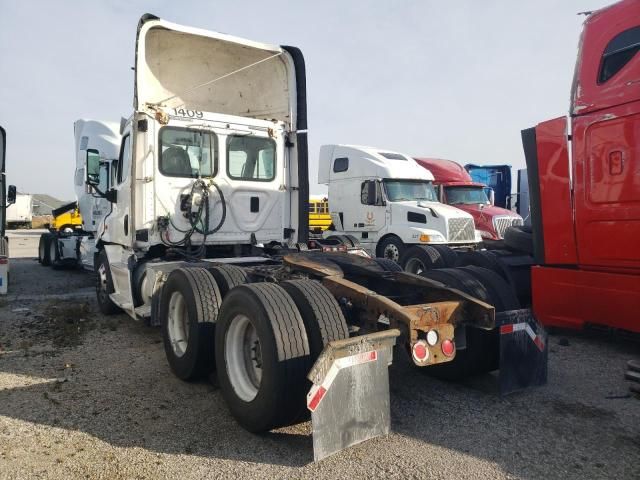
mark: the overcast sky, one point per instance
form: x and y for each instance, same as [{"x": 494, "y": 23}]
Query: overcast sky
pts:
[{"x": 452, "y": 79}]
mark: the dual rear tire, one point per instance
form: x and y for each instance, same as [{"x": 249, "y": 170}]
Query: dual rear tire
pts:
[{"x": 261, "y": 338}]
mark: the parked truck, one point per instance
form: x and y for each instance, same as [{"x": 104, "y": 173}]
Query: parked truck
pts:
[
  {"x": 68, "y": 244},
  {"x": 20, "y": 213},
  {"x": 579, "y": 262},
  {"x": 455, "y": 187},
  {"x": 7, "y": 198},
  {"x": 584, "y": 192},
  {"x": 389, "y": 204},
  {"x": 206, "y": 237}
]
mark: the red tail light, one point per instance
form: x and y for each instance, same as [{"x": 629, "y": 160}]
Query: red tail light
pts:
[{"x": 448, "y": 348}]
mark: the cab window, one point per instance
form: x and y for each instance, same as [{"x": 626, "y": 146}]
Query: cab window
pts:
[
  {"x": 251, "y": 158},
  {"x": 185, "y": 152},
  {"x": 619, "y": 51}
]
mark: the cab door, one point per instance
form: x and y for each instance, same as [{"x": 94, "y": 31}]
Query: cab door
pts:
[{"x": 3, "y": 188}]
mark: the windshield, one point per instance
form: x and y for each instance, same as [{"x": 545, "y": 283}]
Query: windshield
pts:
[
  {"x": 466, "y": 196},
  {"x": 407, "y": 190}
]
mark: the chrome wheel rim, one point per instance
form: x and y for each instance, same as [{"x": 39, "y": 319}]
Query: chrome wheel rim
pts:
[
  {"x": 178, "y": 324},
  {"x": 392, "y": 252},
  {"x": 243, "y": 358}
]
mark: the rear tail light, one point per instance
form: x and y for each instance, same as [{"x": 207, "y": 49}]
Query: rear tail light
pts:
[
  {"x": 420, "y": 351},
  {"x": 448, "y": 348},
  {"x": 432, "y": 337}
]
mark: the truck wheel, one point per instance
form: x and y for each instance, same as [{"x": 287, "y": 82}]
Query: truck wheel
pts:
[
  {"x": 188, "y": 311},
  {"x": 321, "y": 314},
  {"x": 420, "y": 258},
  {"x": 485, "y": 259},
  {"x": 391, "y": 247},
  {"x": 104, "y": 285},
  {"x": 519, "y": 238},
  {"x": 43, "y": 249},
  {"x": 501, "y": 293},
  {"x": 227, "y": 277},
  {"x": 479, "y": 356},
  {"x": 262, "y": 354},
  {"x": 388, "y": 265},
  {"x": 347, "y": 240},
  {"x": 54, "y": 252},
  {"x": 448, "y": 255}
]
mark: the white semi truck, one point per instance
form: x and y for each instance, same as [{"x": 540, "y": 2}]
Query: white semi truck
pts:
[
  {"x": 388, "y": 203},
  {"x": 206, "y": 237},
  {"x": 99, "y": 141}
]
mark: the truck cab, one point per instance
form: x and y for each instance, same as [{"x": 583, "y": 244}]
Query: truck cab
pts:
[
  {"x": 455, "y": 187},
  {"x": 212, "y": 161},
  {"x": 584, "y": 188},
  {"x": 388, "y": 202}
]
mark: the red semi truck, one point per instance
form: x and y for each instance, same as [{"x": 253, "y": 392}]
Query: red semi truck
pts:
[
  {"x": 584, "y": 181},
  {"x": 456, "y": 187}
]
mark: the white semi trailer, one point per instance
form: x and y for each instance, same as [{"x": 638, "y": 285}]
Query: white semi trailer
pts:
[
  {"x": 20, "y": 212},
  {"x": 99, "y": 141},
  {"x": 206, "y": 237},
  {"x": 388, "y": 203}
]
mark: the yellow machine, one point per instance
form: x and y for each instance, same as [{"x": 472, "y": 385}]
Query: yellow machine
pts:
[
  {"x": 67, "y": 216},
  {"x": 319, "y": 218}
]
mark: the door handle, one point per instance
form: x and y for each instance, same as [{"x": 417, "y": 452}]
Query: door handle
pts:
[{"x": 126, "y": 225}]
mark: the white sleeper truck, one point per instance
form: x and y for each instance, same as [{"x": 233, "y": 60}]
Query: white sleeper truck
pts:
[
  {"x": 387, "y": 202},
  {"x": 100, "y": 141},
  {"x": 20, "y": 212},
  {"x": 206, "y": 237}
]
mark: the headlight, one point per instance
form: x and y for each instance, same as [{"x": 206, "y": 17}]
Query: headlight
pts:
[{"x": 432, "y": 237}]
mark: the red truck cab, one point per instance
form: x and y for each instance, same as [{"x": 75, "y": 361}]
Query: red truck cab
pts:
[
  {"x": 456, "y": 187},
  {"x": 584, "y": 180}
]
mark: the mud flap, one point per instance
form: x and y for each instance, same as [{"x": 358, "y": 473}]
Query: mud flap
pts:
[
  {"x": 349, "y": 399},
  {"x": 523, "y": 351}
]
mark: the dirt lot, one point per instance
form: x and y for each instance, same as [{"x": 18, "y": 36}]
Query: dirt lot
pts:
[{"x": 88, "y": 396}]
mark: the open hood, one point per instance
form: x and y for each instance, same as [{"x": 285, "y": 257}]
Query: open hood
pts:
[
  {"x": 3, "y": 183},
  {"x": 194, "y": 69}
]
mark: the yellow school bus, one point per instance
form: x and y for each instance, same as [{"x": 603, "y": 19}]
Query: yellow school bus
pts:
[{"x": 319, "y": 218}]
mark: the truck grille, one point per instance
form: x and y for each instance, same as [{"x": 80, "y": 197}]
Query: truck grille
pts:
[
  {"x": 462, "y": 230},
  {"x": 502, "y": 223}
]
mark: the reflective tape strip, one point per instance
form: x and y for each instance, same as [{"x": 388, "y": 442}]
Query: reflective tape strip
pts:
[
  {"x": 317, "y": 392},
  {"x": 516, "y": 327}
]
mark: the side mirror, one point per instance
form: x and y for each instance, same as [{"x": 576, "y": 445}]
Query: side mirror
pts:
[
  {"x": 491, "y": 195},
  {"x": 372, "y": 193},
  {"x": 11, "y": 195},
  {"x": 93, "y": 168}
]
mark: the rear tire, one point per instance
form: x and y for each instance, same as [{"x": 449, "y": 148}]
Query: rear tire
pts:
[
  {"x": 54, "y": 252},
  {"x": 263, "y": 356},
  {"x": 420, "y": 258},
  {"x": 227, "y": 277},
  {"x": 480, "y": 353},
  {"x": 388, "y": 265},
  {"x": 104, "y": 286},
  {"x": 188, "y": 311},
  {"x": 519, "y": 238},
  {"x": 43, "y": 249},
  {"x": 321, "y": 314},
  {"x": 392, "y": 248}
]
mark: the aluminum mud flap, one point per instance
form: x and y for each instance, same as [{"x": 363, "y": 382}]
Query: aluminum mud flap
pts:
[
  {"x": 523, "y": 351},
  {"x": 349, "y": 399}
]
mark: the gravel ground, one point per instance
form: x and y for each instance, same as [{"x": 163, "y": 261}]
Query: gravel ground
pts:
[{"x": 88, "y": 396}]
